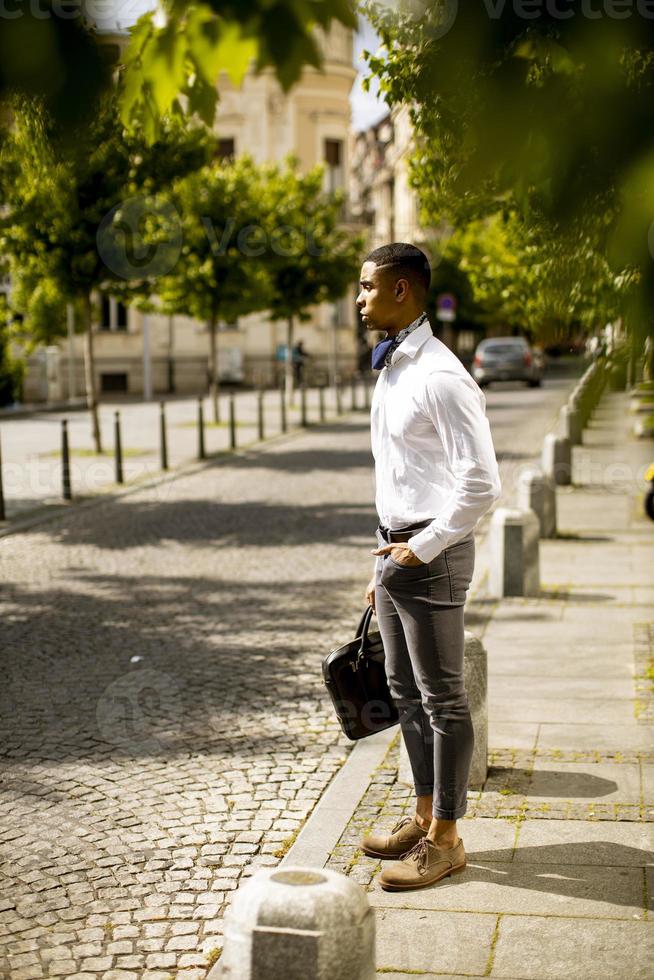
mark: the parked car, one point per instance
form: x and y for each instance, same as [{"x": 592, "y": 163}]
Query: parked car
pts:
[{"x": 507, "y": 359}]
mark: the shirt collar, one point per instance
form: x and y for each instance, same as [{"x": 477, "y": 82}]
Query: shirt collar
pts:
[{"x": 414, "y": 341}]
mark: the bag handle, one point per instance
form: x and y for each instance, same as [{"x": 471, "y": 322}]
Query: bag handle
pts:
[{"x": 364, "y": 624}]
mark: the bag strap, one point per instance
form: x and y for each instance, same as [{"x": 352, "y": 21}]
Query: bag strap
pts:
[{"x": 364, "y": 624}]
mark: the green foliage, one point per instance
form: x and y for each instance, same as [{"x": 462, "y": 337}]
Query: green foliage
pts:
[
  {"x": 311, "y": 258},
  {"x": 59, "y": 192},
  {"x": 174, "y": 59},
  {"x": 12, "y": 369},
  {"x": 546, "y": 119},
  {"x": 53, "y": 58},
  {"x": 219, "y": 274}
]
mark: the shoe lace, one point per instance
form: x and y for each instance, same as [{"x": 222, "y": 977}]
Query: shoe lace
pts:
[
  {"x": 419, "y": 853},
  {"x": 401, "y": 823}
]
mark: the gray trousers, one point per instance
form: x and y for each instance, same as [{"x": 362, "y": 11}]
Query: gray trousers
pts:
[{"x": 420, "y": 615}]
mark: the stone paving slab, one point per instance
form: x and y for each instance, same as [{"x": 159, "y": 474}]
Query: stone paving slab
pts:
[
  {"x": 527, "y": 889},
  {"x": 594, "y": 737},
  {"x": 444, "y": 942},
  {"x": 570, "y": 842},
  {"x": 580, "y": 782},
  {"x": 559, "y": 710},
  {"x": 542, "y": 948}
]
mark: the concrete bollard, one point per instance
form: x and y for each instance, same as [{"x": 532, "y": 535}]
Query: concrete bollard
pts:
[
  {"x": 571, "y": 424},
  {"x": 297, "y": 923},
  {"x": 475, "y": 671},
  {"x": 514, "y": 560},
  {"x": 536, "y": 492},
  {"x": 556, "y": 459}
]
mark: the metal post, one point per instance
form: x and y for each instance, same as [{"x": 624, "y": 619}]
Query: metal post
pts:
[
  {"x": 65, "y": 462},
  {"x": 282, "y": 409},
  {"x": 303, "y": 406},
  {"x": 232, "y": 422},
  {"x": 366, "y": 395},
  {"x": 354, "y": 393},
  {"x": 337, "y": 389},
  {"x": 162, "y": 429},
  {"x": 118, "y": 449},
  {"x": 2, "y": 496},
  {"x": 321, "y": 402},
  {"x": 201, "y": 452},
  {"x": 260, "y": 415}
]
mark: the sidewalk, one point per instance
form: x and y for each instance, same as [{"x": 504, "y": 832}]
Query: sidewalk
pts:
[{"x": 559, "y": 873}]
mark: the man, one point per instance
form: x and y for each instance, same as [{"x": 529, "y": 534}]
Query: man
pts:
[{"x": 435, "y": 475}]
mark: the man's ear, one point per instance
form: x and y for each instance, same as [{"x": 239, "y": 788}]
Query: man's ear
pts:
[{"x": 401, "y": 287}]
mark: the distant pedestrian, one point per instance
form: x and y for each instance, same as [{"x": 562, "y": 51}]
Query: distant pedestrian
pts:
[
  {"x": 299, "y": 358},
  {"x": 436, "y": 474}
]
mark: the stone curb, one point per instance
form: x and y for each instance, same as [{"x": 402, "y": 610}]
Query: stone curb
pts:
[{"x": 320, "y": 834}]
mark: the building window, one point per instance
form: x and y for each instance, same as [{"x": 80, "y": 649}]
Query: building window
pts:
[
  {"x": 228, "y": 324},
  {"x": 113, "y": 314},
  {"x": 114, "y": 382},
  {"x": 333, "y": 158},
  {"x": 226, "y": 148}
]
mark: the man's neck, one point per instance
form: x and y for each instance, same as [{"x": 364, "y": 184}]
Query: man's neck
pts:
[{"x": 393, "y": 331}]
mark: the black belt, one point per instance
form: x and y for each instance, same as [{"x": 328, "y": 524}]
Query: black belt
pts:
[{"x": 404, "y": 533}]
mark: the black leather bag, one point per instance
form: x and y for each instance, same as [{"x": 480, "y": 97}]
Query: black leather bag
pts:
[{"x": 355, "y": 677}]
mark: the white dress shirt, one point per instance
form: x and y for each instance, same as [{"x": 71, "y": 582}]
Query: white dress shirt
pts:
[{"x": 431, "y": 440}]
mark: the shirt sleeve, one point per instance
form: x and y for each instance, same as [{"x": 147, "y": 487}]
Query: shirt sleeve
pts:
[{"x": 456, "y": 406}]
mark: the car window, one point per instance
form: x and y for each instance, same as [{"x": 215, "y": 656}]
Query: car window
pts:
[{"x": 509, "y": 348}]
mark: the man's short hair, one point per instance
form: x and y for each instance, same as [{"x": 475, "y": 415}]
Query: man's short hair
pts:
[{"x": 405, "y": 260}]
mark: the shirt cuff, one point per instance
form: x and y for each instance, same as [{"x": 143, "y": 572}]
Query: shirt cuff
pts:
[{"x": 426, "y": 545}]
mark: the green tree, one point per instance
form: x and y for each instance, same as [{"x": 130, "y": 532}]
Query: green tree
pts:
[
  {"x": 311, "y": 257},
  {"x": 176, "y": 55},
  {"x": 79, "y": 215},
  {"x": 548, "y": 117},
  {"x": 220, "y": 274},
  {"x": 171, "y": 63}
]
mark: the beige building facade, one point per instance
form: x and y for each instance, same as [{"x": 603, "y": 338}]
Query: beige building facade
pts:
[{"x": 160, "y": 354}]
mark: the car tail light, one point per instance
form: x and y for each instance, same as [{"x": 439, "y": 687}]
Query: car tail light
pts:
[
  {"x": 527, "y": 358},
  {"x": 477, "y": 360}
]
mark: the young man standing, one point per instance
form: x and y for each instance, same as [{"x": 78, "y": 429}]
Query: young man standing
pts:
[{"x": 435, "y": 475}]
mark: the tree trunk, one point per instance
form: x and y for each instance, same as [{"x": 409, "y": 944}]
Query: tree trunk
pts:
[
  {"x": 89, "y": 373},
  {"x": 288, "y": 365},
  {"x": 213, "y": 366}
]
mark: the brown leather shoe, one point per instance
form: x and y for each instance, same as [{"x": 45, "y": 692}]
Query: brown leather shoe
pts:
[
  {"x": 401, "y": 839},
  {"x": 425, "y": 864}
]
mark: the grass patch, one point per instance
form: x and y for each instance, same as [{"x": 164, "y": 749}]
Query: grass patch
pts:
[
  {"x": 286, "y": 845},
  {"x": 213, "y": 956}
]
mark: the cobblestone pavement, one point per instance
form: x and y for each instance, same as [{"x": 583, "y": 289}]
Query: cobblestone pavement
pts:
[{"x": 165, "y": 730}]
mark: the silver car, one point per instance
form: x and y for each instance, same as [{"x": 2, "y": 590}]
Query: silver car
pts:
[{"x": 506, "y": 359}]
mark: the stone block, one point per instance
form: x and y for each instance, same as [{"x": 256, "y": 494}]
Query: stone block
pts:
[
  {"x": 298, "y": 923},
  {"x": 571, "y": 424},
  {"x": 536, "y": 492},
  {"x": 514, "y": 557},
  {"x": 556, "y": 459}
]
